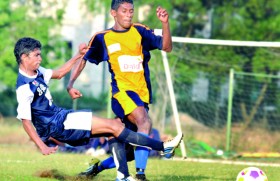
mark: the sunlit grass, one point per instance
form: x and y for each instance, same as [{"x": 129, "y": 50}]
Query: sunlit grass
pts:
[
  {"x": 26, "y": 163},
  {"x": 20, "y": 160}
]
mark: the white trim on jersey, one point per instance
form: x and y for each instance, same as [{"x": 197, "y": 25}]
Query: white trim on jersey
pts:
[
  {"x": 26, "y": 75},
  {"x": 78, "y": 120},
  {"x": 24, "y": 97},
  {"x": 47, "y": 74}
]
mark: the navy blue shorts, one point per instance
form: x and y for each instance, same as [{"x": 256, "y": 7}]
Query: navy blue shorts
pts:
[{"x": 74, "y": 129}]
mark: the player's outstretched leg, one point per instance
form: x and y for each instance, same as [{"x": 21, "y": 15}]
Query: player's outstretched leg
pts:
[
  {"x": 171, "y": 145},
  {"x": 116, "y": 128},
  {"x": 137, "y": 139}
]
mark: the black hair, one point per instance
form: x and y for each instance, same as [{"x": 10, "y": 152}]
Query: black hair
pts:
[
  {"x": 25, "y": 46},
  {"x": 116, "y": 3}
]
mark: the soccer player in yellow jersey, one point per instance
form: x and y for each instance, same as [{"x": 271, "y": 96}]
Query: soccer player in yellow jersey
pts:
[{"x": 125, "y": 47}]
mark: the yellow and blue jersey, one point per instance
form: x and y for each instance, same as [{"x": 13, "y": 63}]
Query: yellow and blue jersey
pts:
[{"x": 127, "y": 54}]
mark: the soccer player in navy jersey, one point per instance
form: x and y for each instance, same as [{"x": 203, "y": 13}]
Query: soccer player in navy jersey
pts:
[
  {"x": 126, "y": 48},
  {"x": 44, "y": 121}
]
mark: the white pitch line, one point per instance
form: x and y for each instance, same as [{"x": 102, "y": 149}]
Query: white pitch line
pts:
[
  {"x": 18, "y": 161},
  {"x": 229, "y": 162}
]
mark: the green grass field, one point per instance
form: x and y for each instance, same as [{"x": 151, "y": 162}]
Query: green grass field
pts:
[
  {"x": 20, "y": 160},
  {"x": 24, "y": 162}
]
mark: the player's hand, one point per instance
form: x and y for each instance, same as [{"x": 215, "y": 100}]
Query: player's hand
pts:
[
  {"x": 49, "y": 150},
  {"x": 162, "y": 14},
  {"x": 83, "y": 48},
  {"x": 74, "y": 93}
]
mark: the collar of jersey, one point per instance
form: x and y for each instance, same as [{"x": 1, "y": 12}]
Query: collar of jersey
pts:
[{"x": 26, "y": 75}]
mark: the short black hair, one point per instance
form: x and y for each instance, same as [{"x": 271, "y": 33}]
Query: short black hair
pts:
[
  {"x": 25, "y": 46},
  {"x": 116, "y": 3}
]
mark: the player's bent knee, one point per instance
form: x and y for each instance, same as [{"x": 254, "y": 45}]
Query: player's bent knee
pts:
[
  {"x": 117, "y": 127},
  {"x": 144, "y": 127}
]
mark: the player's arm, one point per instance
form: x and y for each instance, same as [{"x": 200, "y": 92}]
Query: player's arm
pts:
[
  {"x": 64, "y": 69},
  {"x": 163, "y": 16},
  {"x": 56, "y": 142},
  {"x": 29, "y": 129},
  {"x": 77, "y": 69}
]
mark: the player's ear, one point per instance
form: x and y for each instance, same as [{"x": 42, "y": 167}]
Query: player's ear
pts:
[
  {"x": 113, "y": 12},
  {"x": 23, "y": 56}
]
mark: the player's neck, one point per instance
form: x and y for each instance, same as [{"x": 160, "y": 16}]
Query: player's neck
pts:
[
  {"x": 119, "y": 28},
  {"x": 27, "y": 71}
]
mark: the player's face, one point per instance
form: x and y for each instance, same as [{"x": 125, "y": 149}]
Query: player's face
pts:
[
  {"x": 33, "y": 60},
  {"x": 123, "y": 16}
]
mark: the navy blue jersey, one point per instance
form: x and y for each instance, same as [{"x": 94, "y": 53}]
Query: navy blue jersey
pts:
[{"x": 35, "y": 103}]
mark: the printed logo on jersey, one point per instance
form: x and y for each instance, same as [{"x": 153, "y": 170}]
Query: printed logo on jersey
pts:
[
  {"x": 114, "y": 47},
  {"x": 130, "y": 63},
  {"x": 35, "y": 83}
]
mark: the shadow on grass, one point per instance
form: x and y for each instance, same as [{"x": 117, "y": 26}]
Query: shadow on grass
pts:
[{"x": 55, "y": 174}]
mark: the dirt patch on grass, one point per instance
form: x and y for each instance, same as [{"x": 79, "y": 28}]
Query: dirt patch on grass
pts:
[
  {"x": 53, "y": 173},
  {"x": 56, "y": 174}
]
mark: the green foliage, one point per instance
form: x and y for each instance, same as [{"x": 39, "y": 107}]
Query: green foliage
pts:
[
  {"x": 246, "y": 20},
  {"x": 253, "y": 20},
  {"x": 16, "y": 22},
  {"x": 267, "y": 61},
  {"x": 62, "y": 99},
  {"x": 8, "y": 103},
  {"x": 97, "y": 5}
]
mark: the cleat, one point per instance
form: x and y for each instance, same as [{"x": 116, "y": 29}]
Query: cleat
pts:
[
  {"x": 129, "y": 178},
  {"x": 141, "y": 177},
  {"x": 171, "y": 145},
  {"x": 92, "y": 170}
]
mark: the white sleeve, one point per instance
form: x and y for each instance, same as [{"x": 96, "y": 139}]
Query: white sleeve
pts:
[
  {"x": 24, "y": 99},
  {"x": 47, "y": 74}
]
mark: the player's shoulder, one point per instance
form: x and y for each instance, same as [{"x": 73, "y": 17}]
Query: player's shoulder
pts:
[
  {"x": 102, "y": 32},
  {"x": 22, "y": 81},
  {"x": 99, "y": 36},
  {"x": 140, "y": 25}
]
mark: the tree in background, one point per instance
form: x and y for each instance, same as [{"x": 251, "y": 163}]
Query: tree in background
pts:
[
  {"x": 34, "y": 18},
  {"x": 247, "y": 20}
]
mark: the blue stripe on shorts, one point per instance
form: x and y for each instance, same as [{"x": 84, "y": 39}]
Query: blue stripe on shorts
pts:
[{"x": 118, "y": 109}]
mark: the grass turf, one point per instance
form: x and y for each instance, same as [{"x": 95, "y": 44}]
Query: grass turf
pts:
[
  {"x": 24, "y": 162},
  {"x": 21, "y": 161}
]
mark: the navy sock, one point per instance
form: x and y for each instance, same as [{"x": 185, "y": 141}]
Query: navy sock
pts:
[
  {"x": 119, "y": 154},
  {"x": 140, "y": 139}
]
